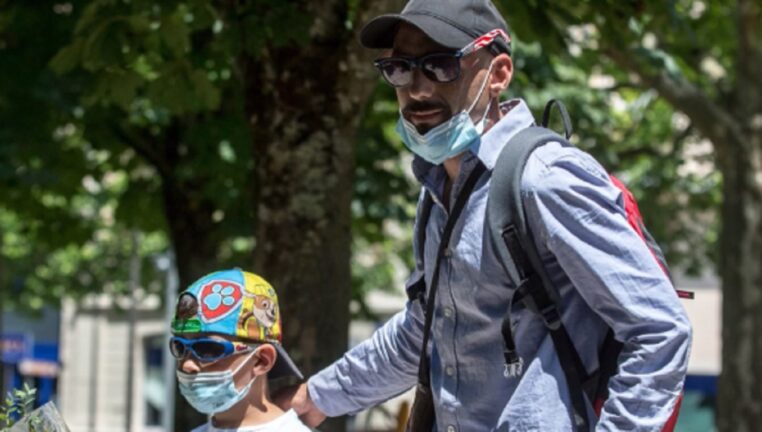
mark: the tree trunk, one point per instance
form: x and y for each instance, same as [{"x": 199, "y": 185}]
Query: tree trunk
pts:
[
  {"x": 740, "y": 389},
  {"x": 740, "y": 386},
  {"x": 304, "y": 105},
  {"x": 191, "y": 231}
]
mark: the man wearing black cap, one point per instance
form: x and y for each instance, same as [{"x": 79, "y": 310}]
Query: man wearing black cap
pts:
[{"x": 449, "y": 61}]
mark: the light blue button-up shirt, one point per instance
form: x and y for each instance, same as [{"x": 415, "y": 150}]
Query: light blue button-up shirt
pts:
[{"x": 606, "y": 277}]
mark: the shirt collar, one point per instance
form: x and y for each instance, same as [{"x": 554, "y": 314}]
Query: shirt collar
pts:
[{"x": 516, "y": 116}]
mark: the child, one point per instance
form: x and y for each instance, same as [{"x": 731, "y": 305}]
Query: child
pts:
[{"x": 226, "y": 338}]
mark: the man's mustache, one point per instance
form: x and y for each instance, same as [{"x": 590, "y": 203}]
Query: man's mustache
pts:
[{"x": 424, "y": 106}]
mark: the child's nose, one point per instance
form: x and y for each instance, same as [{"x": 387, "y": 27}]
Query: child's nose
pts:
[{"x": 189, "y": 365}]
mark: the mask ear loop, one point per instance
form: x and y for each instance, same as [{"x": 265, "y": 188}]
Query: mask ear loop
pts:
[
  {"x": 246, "y": 388},
  {"x": 240, "y": 366},
  {"x": 481, "y": 91}
]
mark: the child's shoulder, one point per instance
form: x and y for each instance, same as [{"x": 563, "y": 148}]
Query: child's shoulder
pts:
[{"x": 289, "y": 422}]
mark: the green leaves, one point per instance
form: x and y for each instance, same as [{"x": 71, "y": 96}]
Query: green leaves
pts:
[
  {"x": 119, "y": 105},
  {"x": 383, "y": 207},
  {"x": 133, "y": 53},
  {"x": 17, "y": 404},
  {"x": 68, "y": 58},
  {"x": 115, "y": 119}
]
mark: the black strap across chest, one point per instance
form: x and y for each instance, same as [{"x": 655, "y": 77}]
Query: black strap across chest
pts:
[{"x": 452, "y": 219}]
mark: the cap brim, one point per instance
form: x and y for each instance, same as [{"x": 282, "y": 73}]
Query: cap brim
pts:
[
  {"x": 379, "y": 32},
  {"x": 284, "y": 366}
]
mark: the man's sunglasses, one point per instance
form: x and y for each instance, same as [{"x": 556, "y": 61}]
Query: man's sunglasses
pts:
[
  {"x": 206, "y": 349},
  {"x": 437, "y": 67}
]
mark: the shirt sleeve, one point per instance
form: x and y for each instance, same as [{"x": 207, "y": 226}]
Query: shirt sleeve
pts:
[
  {"x": 381, "y": 367},
  {"x": 376, "y": 370},
  {"x": 577, "y": 214}
]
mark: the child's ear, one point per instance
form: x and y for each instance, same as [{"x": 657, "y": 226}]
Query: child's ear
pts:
[{"x": 266, "y": 356}]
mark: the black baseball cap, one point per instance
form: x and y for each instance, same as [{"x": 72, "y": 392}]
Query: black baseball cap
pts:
[{"x": 450, "y": 23}]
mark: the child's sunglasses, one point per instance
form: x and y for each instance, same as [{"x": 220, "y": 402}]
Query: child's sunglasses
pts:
[
  {"x": 437, "y": 67},
  {"x": 206, "y": 349}
]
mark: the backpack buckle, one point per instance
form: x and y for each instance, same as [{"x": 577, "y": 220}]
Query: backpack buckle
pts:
[
  {"x": 514, "y": 369},
  {"x": 528, "y": 291},
  {"x": 551, "y": 317}
]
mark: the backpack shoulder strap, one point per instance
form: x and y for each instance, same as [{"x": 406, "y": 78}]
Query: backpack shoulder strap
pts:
[
  {"x": 509, "y": 230},
  {"x": 514, "y": 244}
]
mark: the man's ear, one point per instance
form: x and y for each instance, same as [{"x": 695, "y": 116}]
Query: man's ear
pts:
[
  {"x": 502, "y": 72},
  {"x": 266, "y": 356}
]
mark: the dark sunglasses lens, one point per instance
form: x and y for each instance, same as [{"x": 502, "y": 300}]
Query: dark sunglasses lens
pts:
[
  {"x": 441, "y": 68},
  {"x": 396, "y": 72},
  {"x": 208, "y": 350},
  {"x": 176, "y": 348}
]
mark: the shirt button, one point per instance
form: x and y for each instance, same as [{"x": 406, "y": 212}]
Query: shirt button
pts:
[
  {"x": 451, "y": 428},
  {"x": 448, "y": 312},
  {"x": 450, "y": 371},
  {"x": 447, "y": 252}
]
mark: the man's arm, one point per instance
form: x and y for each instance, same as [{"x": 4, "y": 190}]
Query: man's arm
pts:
[
  {"x": 384, "y": 365},
  {"x": 575, "y": 211},
  {"x": 379, "y": 368}
]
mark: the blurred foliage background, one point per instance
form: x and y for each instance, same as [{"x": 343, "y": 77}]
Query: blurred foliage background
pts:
[
  {"x": 123, "y": 116},
  {"x": 87, "y": 104}
]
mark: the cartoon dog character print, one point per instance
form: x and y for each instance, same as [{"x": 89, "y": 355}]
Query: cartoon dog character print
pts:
[
  {"x": 264, "y": 311},
  {"x": 258, "y": 315}
]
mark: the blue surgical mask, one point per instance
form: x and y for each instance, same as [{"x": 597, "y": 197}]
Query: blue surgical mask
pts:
[
  {"x": 448, "y": 139},
  {"x": 213, "y": 392}
]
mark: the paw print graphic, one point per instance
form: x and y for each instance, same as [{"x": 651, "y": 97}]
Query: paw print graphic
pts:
[{"x": 219, "y": 296}]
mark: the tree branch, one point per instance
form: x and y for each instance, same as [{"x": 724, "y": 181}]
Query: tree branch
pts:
[
  {"x": 621, "y": 86},
  {"x": 711, "y": 119}
]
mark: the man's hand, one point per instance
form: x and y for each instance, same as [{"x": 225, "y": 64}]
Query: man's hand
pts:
[{"x": 298, "y": 398}]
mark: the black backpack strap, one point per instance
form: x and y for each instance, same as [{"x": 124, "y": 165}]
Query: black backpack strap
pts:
[
  {"x": 515, "y": 247},
  {"x": 608, "y": 359},
  {"x": 422, "y": 415},
  {"x": 417, "y": 289},
  {"x": 452, "y": 219},
  {"x": 508, "y": 227}
]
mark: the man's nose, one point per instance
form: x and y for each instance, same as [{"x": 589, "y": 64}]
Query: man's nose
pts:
[{"x": 420, "y": 88}]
